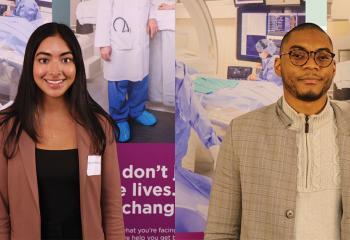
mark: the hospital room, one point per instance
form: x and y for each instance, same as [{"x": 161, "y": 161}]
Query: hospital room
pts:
[
  {"x": 18, "y": 19},
  {"x": 16, "y": 27},
  {"x": 225, "y": 51}
]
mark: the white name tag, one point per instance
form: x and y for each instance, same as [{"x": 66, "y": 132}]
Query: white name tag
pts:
[{"x": 94, "y": 165}]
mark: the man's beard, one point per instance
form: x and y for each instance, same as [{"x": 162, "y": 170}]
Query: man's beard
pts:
[
  {"x": 307, "y": 96},
  {"x": 310, "y": 96}
]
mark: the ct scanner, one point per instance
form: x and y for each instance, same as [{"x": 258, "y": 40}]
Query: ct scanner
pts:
[{"x": 205, "y": 58}]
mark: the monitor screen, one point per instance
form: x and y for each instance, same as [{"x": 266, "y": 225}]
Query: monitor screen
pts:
[
  {"x": 257, "y": 21},
  {"x": 3, "y": 9},
  {"x": 278, "y": 24}
]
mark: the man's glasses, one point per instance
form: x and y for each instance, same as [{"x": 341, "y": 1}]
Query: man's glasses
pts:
[{"x": 300, "y": 57}]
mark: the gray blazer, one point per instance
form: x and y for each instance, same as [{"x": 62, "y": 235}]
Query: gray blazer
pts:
[{"x": 255, "y": 183}]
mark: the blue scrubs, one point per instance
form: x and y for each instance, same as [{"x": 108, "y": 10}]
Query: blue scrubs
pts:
[
  {"x": 268, "y": 71},
  {"x": 191, "y": 189},
  {"x": 189, "y": 113},
  {"x": 27, "y": 9},
  {"x": 127, "y": 98}
]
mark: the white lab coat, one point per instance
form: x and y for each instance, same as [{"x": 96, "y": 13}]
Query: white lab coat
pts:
[
  {"x": 162, "y": 56},
  {"x": 130, "y": 48}
]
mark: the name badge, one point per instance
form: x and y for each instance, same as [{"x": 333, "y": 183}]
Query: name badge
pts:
[{"x": 94, "y": 165}]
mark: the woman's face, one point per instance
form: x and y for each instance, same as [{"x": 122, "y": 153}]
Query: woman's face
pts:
[{"x": 54, "y": 69}]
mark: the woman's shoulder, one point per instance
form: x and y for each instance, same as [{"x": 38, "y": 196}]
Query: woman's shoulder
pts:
[
  {"x": 6, "y": 124},
  {"x": 6, "y": 116}
]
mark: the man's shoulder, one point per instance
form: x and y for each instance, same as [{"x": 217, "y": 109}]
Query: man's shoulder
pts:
[
  {"x": 342, "y": 114},
  {"x": 261, "y": 115},
  {"x": 341, "y": 106}
]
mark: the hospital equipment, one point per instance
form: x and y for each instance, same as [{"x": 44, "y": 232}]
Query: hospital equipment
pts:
[
  {"x": 238, "y": 72},
  {"x": 206, "y": 59},
  {"x": 121, "y": 25},
  {"x": 3, "y": 8},
  {"x": 264, "y": 22}
]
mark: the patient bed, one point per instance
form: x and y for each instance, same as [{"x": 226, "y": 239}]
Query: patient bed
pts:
[
  {"x": 14, "y": 35},
  {"x": 222, "y": 100}
]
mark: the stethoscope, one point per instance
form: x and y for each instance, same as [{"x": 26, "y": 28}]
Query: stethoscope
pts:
[{"x": 126, "y": 27}]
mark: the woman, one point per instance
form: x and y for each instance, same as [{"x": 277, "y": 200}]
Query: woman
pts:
[{"x": 59, "y": 174}]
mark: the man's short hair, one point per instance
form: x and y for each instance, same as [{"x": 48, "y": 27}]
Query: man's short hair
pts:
[{"x": 304, "y": 26}]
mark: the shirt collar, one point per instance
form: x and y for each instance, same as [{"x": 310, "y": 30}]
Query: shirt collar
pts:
[{"x": 315, "y": 120}]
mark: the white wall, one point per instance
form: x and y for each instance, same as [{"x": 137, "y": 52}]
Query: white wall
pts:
[{"x": 339, "y": 26}]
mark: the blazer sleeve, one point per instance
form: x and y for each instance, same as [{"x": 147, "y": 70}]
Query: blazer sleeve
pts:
[
  {"x": 4, "y": 204},
  {"x": 111, "y": 199},
  {"x": 224, "y": 216}
]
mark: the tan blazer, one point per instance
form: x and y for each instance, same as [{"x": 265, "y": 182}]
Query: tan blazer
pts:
[
  {"x": 100, "y": 197},
  {"x": 255, "y": 184}
]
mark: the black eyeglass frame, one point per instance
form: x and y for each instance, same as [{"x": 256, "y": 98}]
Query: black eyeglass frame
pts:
[{"x": 308, "y": 57}]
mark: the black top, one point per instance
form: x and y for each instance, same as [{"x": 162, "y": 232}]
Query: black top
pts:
[{"x": 59, "y": 198}]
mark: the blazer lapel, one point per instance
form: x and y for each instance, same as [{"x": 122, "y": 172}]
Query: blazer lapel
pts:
[
  {"x": 83, "y": 142},
  {"x": 27, "y": 152}
]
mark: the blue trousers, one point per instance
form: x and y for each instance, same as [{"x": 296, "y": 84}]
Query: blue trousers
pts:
[{"x": 127, "y": 98}]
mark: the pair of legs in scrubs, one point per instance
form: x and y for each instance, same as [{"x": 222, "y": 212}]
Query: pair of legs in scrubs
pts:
[{"x": 127, "y": 99}]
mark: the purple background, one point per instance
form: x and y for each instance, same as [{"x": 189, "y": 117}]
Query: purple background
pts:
[{"x": 148, "y": 155}]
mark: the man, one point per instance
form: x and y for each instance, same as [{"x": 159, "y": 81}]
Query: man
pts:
[
  {"x": 284, "y": 170},
  {"x": 121, "y": 35}
]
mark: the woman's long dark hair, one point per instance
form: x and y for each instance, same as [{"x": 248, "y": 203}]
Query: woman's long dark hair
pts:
[{"x": 22, "y": 113}]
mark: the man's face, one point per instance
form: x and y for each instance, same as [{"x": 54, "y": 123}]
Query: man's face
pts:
[{"x": 309, "y": 82}]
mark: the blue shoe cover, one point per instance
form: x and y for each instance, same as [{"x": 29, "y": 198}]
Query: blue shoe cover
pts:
[
  {"x": 124, "y": 131},
  {"x": 146, "y": 118}
]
